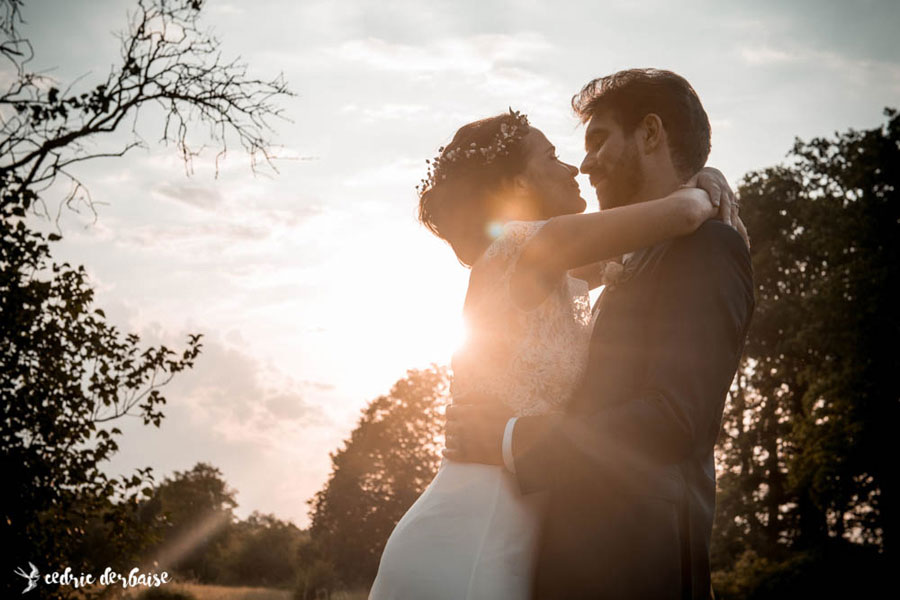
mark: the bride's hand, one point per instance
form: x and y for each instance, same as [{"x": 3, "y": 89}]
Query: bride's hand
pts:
[
  {"x": 474, "y": 433},
  {"x": 739, "y": 225},
  {"x": 713, "y": 182}
]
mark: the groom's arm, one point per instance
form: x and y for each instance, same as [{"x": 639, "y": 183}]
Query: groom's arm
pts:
[{"x": 699, "y": 323}]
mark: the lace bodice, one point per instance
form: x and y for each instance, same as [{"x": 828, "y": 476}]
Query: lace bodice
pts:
[{"x": 531, "y": 360}]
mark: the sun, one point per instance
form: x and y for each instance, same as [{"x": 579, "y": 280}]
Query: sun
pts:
[{"x": 403, "y": 311}]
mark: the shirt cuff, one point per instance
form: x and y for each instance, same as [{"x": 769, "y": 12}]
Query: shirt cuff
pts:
[{"x": 508, "y": 461}]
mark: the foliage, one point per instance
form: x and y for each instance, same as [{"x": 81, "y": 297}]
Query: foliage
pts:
[
  {"x": 805, "y": 474},
  {"x": 262, "y": 551},
  {"x": 315, "y": 579},
  {"x": 202, "y": 541},
  {"x": 65, "y": 376},
  {"x": 382, "y": 468}
]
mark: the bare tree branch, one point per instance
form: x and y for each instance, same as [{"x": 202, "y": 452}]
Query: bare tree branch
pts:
[{"x": 166, "y": 61}]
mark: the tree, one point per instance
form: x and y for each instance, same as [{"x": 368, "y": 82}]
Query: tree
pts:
[
  {"x": 388, "y": 460},
  {"x": 807, "y": 488},
  {"x": 262, "y": 551},
  {"x": 200, "y": 538},
  {"x": 66, "y": 374},
  {"x": 195, "y": 510}
]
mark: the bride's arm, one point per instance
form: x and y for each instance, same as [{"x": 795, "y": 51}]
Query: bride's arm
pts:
[{"x": 571, "y": 241}]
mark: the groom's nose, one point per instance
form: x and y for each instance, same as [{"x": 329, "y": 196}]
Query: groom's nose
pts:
[{"x": 588, "y": 164}]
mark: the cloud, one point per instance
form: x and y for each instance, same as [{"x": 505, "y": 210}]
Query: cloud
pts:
[
  {"x": 228, "y": 9},
  {"x": 238, "y": 396},
  {"x": 721, "y": 124},
  {"x": 214, "y": 221},
  {"x": 318, "y": 384},
  {"x": 182, "y": 238},
  {"x": 266, "y": 431},
  {"x": 472, "y": 55},
  {"x": 401, "y": 171},
  {"x": 389, "y": 111},
  {"x": 197, "y": 196},
  {"x": 765, "y": 55},
  {"x": 806, "y": 61}
]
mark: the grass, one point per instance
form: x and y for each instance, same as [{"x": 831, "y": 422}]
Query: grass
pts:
[{"x": 221, "y": 592}]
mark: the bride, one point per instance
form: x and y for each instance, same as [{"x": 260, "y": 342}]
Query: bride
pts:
[{"x": 509, "y": 209}]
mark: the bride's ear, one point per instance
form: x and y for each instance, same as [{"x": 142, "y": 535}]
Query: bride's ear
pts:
[{"x": 520, "y": 184}]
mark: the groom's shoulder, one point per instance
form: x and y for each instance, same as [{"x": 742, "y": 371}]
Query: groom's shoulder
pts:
[
  {"x": 713, "y": 246},
  {"x": 713, "y": 250},
  {"x": 713, "y": 240}
]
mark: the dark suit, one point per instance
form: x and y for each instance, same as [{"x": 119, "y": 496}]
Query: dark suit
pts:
[{"x": 630, "y": 467}]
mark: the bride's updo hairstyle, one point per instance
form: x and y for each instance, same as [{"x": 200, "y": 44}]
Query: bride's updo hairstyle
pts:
[{"x": 457, "y": 200}]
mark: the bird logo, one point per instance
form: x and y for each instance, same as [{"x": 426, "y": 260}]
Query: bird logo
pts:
[{"x": 31, "y": 577}]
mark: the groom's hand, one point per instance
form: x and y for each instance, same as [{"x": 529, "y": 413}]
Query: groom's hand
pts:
[{"x": 475, "y": 433}]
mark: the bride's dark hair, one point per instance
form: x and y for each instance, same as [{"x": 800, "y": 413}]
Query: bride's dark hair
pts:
[{"x": 454, "y": 199}]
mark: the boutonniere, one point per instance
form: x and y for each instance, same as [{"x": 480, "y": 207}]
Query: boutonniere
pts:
[
  {"x": 612, "y": 273},
  {"x": 617, "y": 271}
]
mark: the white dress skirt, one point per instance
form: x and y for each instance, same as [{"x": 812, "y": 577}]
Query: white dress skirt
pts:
[{"x": 471, "y": 535}]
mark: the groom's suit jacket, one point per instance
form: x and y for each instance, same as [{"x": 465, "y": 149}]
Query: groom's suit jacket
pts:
[{"x": 629, "y": 469}]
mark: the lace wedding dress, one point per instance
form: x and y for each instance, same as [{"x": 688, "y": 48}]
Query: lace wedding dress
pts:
[{"x": 471, "y": 534}]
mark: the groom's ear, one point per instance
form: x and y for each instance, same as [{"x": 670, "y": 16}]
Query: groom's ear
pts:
[{"x": 651, "y": 133}]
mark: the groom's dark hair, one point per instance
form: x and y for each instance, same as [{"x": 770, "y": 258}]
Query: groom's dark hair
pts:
[{"x": 632, "y": 94}]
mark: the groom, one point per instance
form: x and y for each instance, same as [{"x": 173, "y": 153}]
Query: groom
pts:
[{"x": 629, "y": 469}]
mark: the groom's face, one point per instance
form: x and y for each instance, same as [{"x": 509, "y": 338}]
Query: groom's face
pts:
[{"x": 612, "y": 160}]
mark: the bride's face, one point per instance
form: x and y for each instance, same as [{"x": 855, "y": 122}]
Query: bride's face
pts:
[{"x": 548, "y": 180}]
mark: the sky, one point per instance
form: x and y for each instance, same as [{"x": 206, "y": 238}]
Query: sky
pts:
[{"x": 314, "y": 287}]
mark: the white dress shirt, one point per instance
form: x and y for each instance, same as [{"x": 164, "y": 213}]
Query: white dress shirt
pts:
[{"x": 508, "y": 460}]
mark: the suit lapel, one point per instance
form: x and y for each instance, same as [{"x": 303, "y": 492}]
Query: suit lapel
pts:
[{"x": 616, "y": 354}]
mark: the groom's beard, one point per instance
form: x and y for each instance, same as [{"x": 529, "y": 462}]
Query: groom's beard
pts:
[{"x": 623, "y": 181}]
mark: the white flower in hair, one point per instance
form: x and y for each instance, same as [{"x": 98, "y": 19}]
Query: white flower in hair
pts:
[{"x": 510, "y": 133}]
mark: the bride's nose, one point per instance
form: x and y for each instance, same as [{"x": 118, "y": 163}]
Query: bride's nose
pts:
[{"x": 572, "y": 170}]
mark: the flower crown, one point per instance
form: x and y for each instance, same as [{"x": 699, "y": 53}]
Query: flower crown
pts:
[{"x": 510, "y": 134}]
